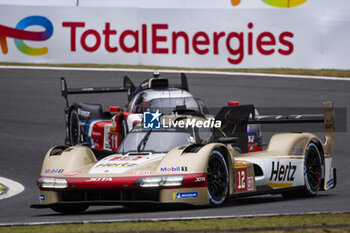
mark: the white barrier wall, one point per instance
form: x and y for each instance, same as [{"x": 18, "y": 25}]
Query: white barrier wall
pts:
[{"x": 231, "y": 37}]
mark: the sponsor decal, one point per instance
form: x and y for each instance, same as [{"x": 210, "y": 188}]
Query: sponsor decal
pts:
[
  {"x": 330, "y": 182},
  {"x": 99, "y": 179},
  {"x": 185, "y": 195},
  {"x": 42, "y": 197},
  {"x": 116, "y": 165},
  {"x": 126, "y": 158},
  {"x": 53, "y": 171},
  {"x": 73, "y": 173},
  {"x": 141, "y": 172},
  {"x": 153, "y": 39},
  {"x": 275, "y": 3},
  {"x": 240, "y": 164},
  {"x": 107, "y": 137},
  {"x": 297, "y": 150},
  {"x": 200, "y": 179},
  {"x": 83, "y": 113},
  {"x": 283, "y": 172},
  {"x": 174, "y": 169},
  {"x": 241, "y": 179},
  {"x": 19, "y": 34},
  {"x": 151, "y": 120},
  {"x": 95, "y": 133},
  {"x": 250, "y": 183},
  {"x": 164, "y": 40},
  {"x": 119, "y": 164},
  {"x": 280, "y": 185}
]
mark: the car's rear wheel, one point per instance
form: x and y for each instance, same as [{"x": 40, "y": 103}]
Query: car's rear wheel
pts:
[
  {"x": 217, "y": 178},
  {"x": 74, "y": 127},
  {"x": 313, "y": 172},
  {"x": 70, "y": 209}
]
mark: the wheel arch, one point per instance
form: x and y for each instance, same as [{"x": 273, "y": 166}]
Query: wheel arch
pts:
[
  {"x": 230, "y": 166},
  {"x": 68, "y": 159},
  {"x": 209, "y": 148},
  {"x": 189, "y": 155},
  {"x": 320, "y": 148},
  {"x": 292, "y": 143}
]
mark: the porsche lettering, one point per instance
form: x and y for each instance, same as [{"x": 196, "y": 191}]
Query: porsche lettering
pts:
[
  {"x": 99, "y": 179},
  {"x": 104, "y": 165},
  {"x": 126, "y": 158},
  {"x": 141, "y": 172}
]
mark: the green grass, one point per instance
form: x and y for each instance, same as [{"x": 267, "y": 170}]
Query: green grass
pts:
[
  {"x": 291, "y": 223},
  {"x": 321, "y": 72}
]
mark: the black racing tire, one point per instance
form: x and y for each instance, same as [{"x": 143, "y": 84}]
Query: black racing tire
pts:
[
  {"x": 217, "y": 178},
  {"x": 313, "y": 173},
  {"x": 124, "y": 127},
  {"x": 74, "y": 127},
  {"x": 70, "y": 209}
]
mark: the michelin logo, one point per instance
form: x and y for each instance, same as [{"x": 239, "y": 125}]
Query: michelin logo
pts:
[
  {"x": 185, "y": 195},
  {"x": 151, "y": 120}
]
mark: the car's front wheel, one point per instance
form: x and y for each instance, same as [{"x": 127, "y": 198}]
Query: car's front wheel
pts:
[{"x": 217, "y": 178}]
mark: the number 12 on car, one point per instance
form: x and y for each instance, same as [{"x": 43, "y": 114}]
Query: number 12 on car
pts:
[{"x": 241, "y": 179}]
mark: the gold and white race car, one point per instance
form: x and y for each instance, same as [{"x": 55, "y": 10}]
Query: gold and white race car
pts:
[{"x": 187, "y": 158}]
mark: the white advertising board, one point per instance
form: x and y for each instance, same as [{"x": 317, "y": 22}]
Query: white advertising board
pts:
[
  {"x": 193, "y": 4},
  {"x": 187, "y": 37}
]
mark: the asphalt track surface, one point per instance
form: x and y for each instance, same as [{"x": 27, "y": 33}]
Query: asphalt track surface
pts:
[{"x": 32, "y": 121}]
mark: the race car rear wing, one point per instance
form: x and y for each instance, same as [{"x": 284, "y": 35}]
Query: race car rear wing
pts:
[
  {"x": 159, "y": 82},
  {"x": 65, "y": 91},
  {"x": 129, "y": 87},
  {"x": 236, "y": 118},
  {"x": 327, "y": 118},
  {"x": 183, "y": 85}
]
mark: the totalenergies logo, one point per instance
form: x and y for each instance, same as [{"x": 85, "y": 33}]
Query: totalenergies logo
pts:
[
  {"x": 20, "y": 34},
  {"x": 276, "y": 3}
]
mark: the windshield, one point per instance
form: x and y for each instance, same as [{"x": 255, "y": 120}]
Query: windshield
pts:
[
  {"x": 159, "y": 141},
  {"x": 167, "y": 105}
]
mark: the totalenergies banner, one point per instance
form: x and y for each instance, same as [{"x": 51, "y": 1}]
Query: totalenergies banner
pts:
[{"x": 276, "y": 37}]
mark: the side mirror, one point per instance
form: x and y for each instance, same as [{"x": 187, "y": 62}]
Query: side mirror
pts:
[
  {"x": 113, "y": 108},
  {"x": 228, "y": 140}
]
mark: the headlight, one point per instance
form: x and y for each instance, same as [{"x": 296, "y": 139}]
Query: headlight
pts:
[
  {"x": 150, "y": 182},
  {"x": 172, "y": 181},
  {"x": 52, "y": 183},
  {"x": 159, "y": 181}
]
